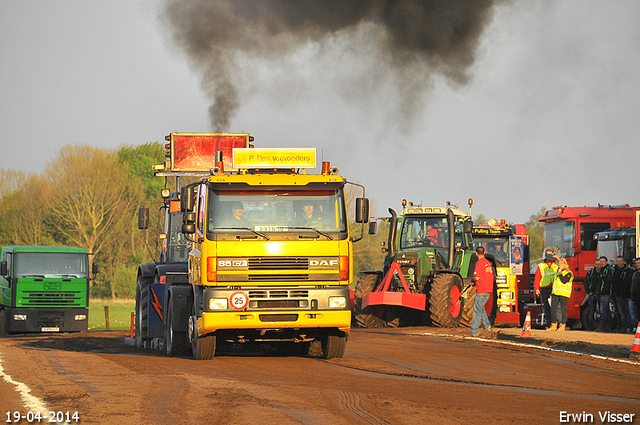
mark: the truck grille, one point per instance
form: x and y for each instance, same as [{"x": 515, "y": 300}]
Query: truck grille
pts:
[
  {"x": 280, "y": 293},
  {"x": 279, "y": 263},
  {"x": 270, "y": 318},
  {"x": 279, "y": 299},
  {"x": 52, "y": 299},
  {"x": 280, "y": 277}
]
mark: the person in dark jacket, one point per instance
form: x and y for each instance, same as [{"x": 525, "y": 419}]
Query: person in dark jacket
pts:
[
  {"x": 591, "y": 282},
  {"x": 635, "y": 292},
  {"x": 621, "y": 292},
  {"x": 604, "y": 294}
]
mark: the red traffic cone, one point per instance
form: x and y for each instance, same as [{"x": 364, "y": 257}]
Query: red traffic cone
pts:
[
  {"x": 635, "y": 348},
  {"x": 526, "y": 329}
]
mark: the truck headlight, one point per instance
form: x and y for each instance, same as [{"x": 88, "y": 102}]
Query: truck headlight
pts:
[
  {"x": 337, "y": 302},
  {"x": 218, "y": 304},
  {"x": 80, "y": 317},
  {"x": 19, "y": 317}
]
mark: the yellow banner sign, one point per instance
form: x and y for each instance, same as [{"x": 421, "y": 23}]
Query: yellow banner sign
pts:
[{"x": 274, "y": 158}]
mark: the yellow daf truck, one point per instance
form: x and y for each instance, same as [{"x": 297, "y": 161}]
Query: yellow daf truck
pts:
[{"x": 272, "y": 258}]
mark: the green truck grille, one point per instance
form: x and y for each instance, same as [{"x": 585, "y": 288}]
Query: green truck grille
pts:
[{"x": 52, "y": 299}]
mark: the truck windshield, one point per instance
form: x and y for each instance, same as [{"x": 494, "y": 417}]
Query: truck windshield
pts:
[
  {"x": 498, "y": 246},
  {"x": 51, "y": 264},
  {"x": 427, "y": 232},
  {"x": 317, "y": 212},
  {"x": 560, "y": 235},
  {"x": 610, "y": 249}
]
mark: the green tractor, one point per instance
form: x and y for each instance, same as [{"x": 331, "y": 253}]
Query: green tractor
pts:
[{"x": 427, "y": 271}]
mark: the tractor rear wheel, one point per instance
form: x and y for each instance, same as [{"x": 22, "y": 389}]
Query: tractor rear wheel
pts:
[
  {"x": 175, "y": 341},
  {"x": 365, "y": 317},
  {"x": 467, "y": 311},
  {"x": 490, "y": 307},
  {"x": 445, "y": 306},
  {"x": 142, "y": 309}
]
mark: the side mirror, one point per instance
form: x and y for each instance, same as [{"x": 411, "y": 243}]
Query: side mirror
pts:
[
  {"x": 187, "y": 201},
  {"x": 362, "y": 210},
  {"x": 189, "y": 218},
  {"x": 94, "y": 268},
  {"x": 3, "y": 268},
  {"x": 373, "y": 227},
  {"x": 467, "y": 226},
  {"x": 188, "y": 228},
  {"x": 143, "y": 218}
]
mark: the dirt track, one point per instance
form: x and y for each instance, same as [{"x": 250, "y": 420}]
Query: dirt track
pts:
[{"x": 409, "y": 375}]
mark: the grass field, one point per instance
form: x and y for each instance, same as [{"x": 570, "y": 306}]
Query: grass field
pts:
[{"x": 119, "y": 314}]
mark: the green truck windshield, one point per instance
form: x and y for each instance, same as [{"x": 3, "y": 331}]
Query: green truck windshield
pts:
[{"x": 50, "y": 264}]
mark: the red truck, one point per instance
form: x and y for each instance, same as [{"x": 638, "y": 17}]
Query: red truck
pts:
[{"x": 570, "y": 231}]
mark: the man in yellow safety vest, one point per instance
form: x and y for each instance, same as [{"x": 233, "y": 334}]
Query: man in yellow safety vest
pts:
[{"x": 545, "y": 275}]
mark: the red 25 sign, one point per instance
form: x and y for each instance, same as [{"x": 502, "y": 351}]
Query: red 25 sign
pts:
[{"x": 239, "y": 300}]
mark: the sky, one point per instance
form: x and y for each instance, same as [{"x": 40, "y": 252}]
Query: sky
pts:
[{"x": 547, "y": 113}]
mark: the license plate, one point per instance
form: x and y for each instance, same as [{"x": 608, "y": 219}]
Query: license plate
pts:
[{"x": 51, "y": 329}]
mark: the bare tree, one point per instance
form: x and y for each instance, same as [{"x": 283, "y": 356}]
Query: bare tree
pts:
[
  {"x": 92, "y": 201},
  {"x": 11, "y": 181},
  {"x": 24, "y": 212}
]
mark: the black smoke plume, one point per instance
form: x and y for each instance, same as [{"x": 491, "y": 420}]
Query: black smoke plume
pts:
[{"x": 419, "y": 37}]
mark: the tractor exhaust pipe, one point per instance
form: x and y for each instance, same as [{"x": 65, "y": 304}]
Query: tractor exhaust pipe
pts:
[{"x": 452, "y": 236}]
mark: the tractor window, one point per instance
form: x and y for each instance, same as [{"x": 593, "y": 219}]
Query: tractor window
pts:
[
  {"x": 424, "y": 232},
  {"x": 178, "y": 246}
]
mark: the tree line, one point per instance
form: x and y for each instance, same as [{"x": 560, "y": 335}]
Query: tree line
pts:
[{"x": 88, "y": 197}]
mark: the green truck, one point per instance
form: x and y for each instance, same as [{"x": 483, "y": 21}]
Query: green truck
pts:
[{"x": 44, "y": 289}]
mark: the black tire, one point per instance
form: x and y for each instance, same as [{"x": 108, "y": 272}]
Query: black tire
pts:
[
  {"x": 204, "y": 347},
  {"x": 365, "y": 317},
  {"x": 333, "y": 346},
  {"x": 315, "y": 349},
  {"x": 467, "y": 312},
  {"x": 492, "y": 304},
  {"x": 445, "y": 286},
  {"x": 142, "y": 310},
  {"x": 3, "y": 322},
  {"x": 175, "y": 342},
  {"x": 588, "y": 323}
]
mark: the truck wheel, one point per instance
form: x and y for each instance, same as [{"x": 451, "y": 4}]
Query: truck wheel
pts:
[
  {"x": 333, "y": 346},
  {"x": 3, "y": 322},
  {"x": 444, "y": 290},
  {"x": 586, "y": 321},
  {"x": 175, "y": 342},
  {"x": 364, "y": 316},
  {"x": 142, "y": 309},
  {"x": 204, "y": 347}
]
